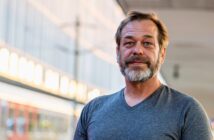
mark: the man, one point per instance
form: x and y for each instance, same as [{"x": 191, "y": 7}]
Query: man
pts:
[{"x": 145, "y": 109}]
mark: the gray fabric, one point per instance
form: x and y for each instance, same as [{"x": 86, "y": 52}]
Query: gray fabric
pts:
[{"x": 165, "y": 115}]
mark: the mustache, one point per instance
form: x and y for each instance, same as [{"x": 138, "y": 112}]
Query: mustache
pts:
[{"x": 138, "y": 58}]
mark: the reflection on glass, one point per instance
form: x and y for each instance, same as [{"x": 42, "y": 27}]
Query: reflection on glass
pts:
[
  {"x": 64, "y": 83},
  {"x": 13, "y": 64},
  {"x": 38, "y": 74},
  {"x": 51, "y": 80},
  {"x": 22, "y": 68},
  {"x": 4, "y": 57},
  {"x": 72, "y": 89},
  {"x": 30, "y": 71},
  {"x": 81, "y": 92}
]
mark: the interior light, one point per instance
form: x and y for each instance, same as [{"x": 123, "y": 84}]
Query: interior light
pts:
[
  {"x": 4, "y": 58},
  {"x": 72, "y": 89},
  {"x": 22, "y": 67},
  {"x": 64, "y": 84},
  {"x": 51, "y": 80},
  {"x": 81, "y": 92},
  {"x": 13, "y": 64},
  {"x": 27, "y": 70},
  {"x": 30, "y": 71},
  {"x": 38, "y": 74}
]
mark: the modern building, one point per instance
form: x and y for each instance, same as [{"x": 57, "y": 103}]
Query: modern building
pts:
[{"x": 55, "y": 56}]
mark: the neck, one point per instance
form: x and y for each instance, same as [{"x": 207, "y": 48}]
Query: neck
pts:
[{"x": 139, "y": 91}]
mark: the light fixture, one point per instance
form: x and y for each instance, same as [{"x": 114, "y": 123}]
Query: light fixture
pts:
[
  {"x": 13, "y": 64},
  {"x": 38, "y": 74},
  {"x": 72, "y": 89},
  {"x": 64, "y": 85},
  {"x": 4, "y": 58}
]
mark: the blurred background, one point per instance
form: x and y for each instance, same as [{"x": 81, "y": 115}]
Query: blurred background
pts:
[{"x": 56, "y": 55}]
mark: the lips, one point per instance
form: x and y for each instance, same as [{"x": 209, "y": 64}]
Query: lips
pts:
[
  {"x": 137, "y": 63},
  {"x": 137, "y": 60}
]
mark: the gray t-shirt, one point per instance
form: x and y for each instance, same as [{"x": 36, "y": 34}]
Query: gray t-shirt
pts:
[{"x": 165, "y": 115}]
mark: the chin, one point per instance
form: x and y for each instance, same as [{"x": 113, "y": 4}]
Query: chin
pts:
[
  {"x": 138, "y": 68},
  {"x": 138, "y": 75}
]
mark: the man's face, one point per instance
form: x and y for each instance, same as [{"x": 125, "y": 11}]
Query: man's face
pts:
[{"x": 139, "y": 55}]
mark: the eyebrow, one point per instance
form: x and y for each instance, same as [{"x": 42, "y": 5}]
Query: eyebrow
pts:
[
  {"x": 145, "y": 36},
  {"x": 148, "y": 36}
]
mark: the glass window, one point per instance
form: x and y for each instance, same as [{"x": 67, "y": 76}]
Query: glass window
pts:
[
  {"x": 21, "y": 121},
  {"x": 31, "y": 122},
  {"x": 11, "y": 120},
  {"x": 3, "y": 113}
]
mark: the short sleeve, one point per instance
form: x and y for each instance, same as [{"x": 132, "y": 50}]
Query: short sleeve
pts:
[
  {"x": 81, "y": 129},
  {"x": 196, "y": 125}
]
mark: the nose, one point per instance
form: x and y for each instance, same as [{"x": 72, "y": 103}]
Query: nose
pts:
[{"x": 138, "y": 49}]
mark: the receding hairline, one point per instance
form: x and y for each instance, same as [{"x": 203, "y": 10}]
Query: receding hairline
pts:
[
  {"x": 144, "y": 35},
  {"x": 139, "y": 16}
]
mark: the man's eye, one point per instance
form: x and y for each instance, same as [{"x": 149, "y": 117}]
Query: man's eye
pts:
[
  {"x": 147, "y": 44},
  {"x": 129, "y": 43}
]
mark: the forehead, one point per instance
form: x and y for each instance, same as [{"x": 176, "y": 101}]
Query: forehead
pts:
[{"x": 141, "y": 28}]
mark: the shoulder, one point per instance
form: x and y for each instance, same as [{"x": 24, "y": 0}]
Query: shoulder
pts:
[
  {"x": 190, "y": 109},
  {"x": 95, "y": 105},
  {"x": 185, "y": 102},
  {"x": 180, "y": 97},
  {"x": 100, "y": 101},
  {"x": 180, "y": 102},
  {"x": 193, "y": 120}
]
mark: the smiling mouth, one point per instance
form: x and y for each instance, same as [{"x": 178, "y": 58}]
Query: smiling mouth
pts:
[{"x": 137, "y": 63}]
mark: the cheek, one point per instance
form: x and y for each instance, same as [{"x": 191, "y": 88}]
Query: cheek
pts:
[
  {"x": 121, "y": 54},
  {"x": 153, "y": 58},
  {"x": 125, "y": 54}
]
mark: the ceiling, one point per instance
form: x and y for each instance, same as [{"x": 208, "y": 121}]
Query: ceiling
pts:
[
  {"x": 189, "y": 65},
  {"x": 167, "y": 4}
]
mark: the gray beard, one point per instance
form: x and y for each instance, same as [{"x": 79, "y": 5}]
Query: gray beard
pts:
[{"x": 137, "y": 75}]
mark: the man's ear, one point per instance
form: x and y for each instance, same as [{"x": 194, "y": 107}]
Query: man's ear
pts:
[
  {"x": 162, "y": 55},
  {"x": 117, "y": 53}
]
